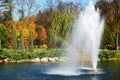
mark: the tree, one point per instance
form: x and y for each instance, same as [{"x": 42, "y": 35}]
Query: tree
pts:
[
  {"x": 4, "y": 36},
  {"x": 25, "y": 24},
  {"x": 117, "y": 20},
  {"x": 30, "y": 41},
  {"x": 0, "y": 44},
  {"x": 14, "y": 38},
  {"x": 29, "y": 23},
  {"x": 62, "y": 18},
  {"x": 43, "y": 34},
  {"x": 43, "y": 18},
  {"x": 58, "y": 19},
  {"x": 25, "y": 8},
  {"x": 108, "y": 38},
  {"x": 6, "y": 8},
  {"x": 21, "y": 40},
  {"x": 61, "y": 23},
  {"x": 111, "y": 11},
  {"x": 51, "y": 3}
]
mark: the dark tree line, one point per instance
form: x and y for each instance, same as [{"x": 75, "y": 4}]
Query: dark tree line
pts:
[{"x": 110, "y": 10}]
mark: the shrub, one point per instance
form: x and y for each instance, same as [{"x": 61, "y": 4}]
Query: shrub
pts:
[
  {"x": 118, "y": 54},
  {"x": 20, "y": 54},
  {"x": 48, "y": 53},
  {"x": 44, "y": 46},
  {"x": 106, "y": 54}
]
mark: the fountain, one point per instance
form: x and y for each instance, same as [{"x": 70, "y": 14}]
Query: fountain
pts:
[{"x": 85, "y": 40}]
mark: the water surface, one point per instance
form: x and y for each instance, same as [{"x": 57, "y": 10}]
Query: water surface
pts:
[{"x": 37, "y": 71}]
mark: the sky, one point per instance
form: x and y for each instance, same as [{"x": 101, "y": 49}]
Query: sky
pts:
[
  {"x": 43, "y": 2},
  {"x": 43, "y": 5}
]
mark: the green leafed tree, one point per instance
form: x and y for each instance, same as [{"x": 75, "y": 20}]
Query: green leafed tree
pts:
[
  {"x": 58, "y": 20},
  {"x": 61, "y": 23},
  {"x": 30, "y": 41},
  {"x": 14, "y": 38},
  {"x": 4, "y": 38},
  {"x": 21, "y": 40},
  {"x": 110, "y": 9},
  {"x": 108, "y": 38},
  {"x": 6, "y": 10}
]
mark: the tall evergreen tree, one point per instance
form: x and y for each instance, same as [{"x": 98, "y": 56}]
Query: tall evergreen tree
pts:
[
  {"x": 14, "y": 39},
  {"x": 4, "y": 36},
  {"x": 21, "y": 40},
  {"x": 30, "y": 41},
  {"x": 108, "y": 38}
]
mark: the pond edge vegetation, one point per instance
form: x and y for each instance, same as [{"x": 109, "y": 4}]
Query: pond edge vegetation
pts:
[{"x": 47, "y": 55}]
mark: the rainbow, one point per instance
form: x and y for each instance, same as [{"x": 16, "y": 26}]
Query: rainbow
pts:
[{"x": 64, "y": 41}]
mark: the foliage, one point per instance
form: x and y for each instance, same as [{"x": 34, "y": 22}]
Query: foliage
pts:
[
  {"x": 118, "y": 54},
  {"x": 44, "y": 46},
  {"x": 107, "y": 54},
  {"x": 21, "y": 40},
  {"x": 43, "y": 34},
  {"x": 29, "y": 23},
  {"x": 49, "y": 53},
  {"x": 58, "y": 20},
  {"x": 111, "y": 11},
  {"x": 108, "y": 38},
  {"x": 4, "y": 38},
  {"x": 20, "y": 54},
  {"x": 14, "y": 38},
  {"x": 21, "y": 26},
  {"x": 0, "y": 44},
  {"x": 25, "y": 25},
  {"x": 61, "y": 24},
  {"x": 30, "y": 42},
  {"x": 6, "y": 9}
]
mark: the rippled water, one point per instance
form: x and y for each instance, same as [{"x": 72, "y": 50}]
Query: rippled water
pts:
[{"x": 37, "y": 71}]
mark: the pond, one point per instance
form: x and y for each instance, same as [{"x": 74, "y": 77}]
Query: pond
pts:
[{"x": 36, "y": 71}]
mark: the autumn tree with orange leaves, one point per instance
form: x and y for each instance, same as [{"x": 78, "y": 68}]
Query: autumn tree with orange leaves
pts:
[
  {"x": 25, "y": 25},
  {"x": 110, "y": 9},
  {"x": 43, "y": 34}
]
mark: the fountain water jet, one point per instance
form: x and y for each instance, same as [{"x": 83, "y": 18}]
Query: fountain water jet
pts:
[{"x": 85, "y": 39}]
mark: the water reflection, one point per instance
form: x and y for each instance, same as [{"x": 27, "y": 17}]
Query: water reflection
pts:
[
  {"x": 95, "y": 78},
  {"x": 33, "y": 71}
]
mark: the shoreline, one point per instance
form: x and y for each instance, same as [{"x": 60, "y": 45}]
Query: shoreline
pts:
[
  {"x": 46, "y": 59},
  {"x": 36, "y": 60},
  {"x": 110, "y": 59}
]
